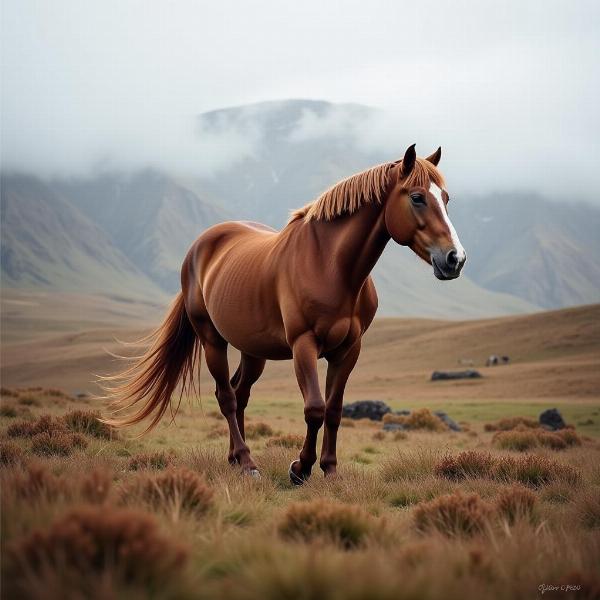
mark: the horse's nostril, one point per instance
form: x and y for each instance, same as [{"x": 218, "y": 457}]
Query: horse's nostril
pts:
[{"x": 452, "y": 259}]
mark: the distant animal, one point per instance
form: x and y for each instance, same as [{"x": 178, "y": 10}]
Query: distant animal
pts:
[
  {"x": 302, "y": 293},
  {"x": 494, "y": 360}
]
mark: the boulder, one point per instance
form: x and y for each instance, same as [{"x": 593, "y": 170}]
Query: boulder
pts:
[
  {"x": 366, "y": 409},
  {"x": 445, "y": 375},
  {"x": 451, "y": 423},
  {"x": 551, "y": 419}
]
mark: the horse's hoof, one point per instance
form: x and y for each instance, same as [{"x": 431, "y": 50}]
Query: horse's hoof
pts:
[
  {"x": 296, "y": 479},
  {"x": 254, "y": 473}
]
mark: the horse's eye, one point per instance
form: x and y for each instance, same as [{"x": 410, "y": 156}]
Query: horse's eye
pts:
[{"x": 418, "y": 199}]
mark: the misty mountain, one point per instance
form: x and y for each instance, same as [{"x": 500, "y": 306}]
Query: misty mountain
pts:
[
  {"x": 148, "y": 216},
  {"x": 48, "y": 243},
  {"x": 521, "y": 244}
]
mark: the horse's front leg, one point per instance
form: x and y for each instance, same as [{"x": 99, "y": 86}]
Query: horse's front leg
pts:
[
  {"x": 338, "y": 371},
  {"x": 306, "y": 353}
]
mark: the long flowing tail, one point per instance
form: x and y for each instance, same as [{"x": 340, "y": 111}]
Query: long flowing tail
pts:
[{"x": 149, "y": 383}]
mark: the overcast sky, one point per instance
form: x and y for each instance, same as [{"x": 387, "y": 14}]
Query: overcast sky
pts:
[{"x": 510, "y": 89}]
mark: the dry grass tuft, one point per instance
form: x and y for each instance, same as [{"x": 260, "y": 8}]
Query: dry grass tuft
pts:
[
  {"x": 516, "y": 502},
  {"x": 88, "y": 423},
  {"x": 453, "y": 515},
  {"x": 57, "y": 443},
  {"x": 342, "y": 524},
  {"x": 521, "y": 440},
  {"x": 96, "y": 486},
  {"x": 422, "y": 418},
  {"x": 217, "y": 431},
  {"x": 470, "y": 463},
  {"x": 286, "y": 441},
  {"x": 10, "y": 453},
  {"x": 346, "y": 422},
  {"x": 151, "y": 460},
  {"x": 510, "y": 423},
  {"x": 176, "y": 488},
  {"x": 8, "y": 410},
  {"x": 534, "y": 471},
  {"x": 96, "y": 540},
  {"x": 254, "y": 431},
  {"x": 34, "y": 482},
  {"x": 587, "y": 509},
  {"x": 45, "y": 424}
]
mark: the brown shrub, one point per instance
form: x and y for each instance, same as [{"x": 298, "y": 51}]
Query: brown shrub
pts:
[
  {"x": 258, "y": 430},
  {"x": 422, "y": 418},
  {"x": 151, "y": 460},
  {"x": 569, "y": 436},
  {"x": 453, "y": 514},
  {"x": 512, "y": 423},
  {"x": 587, "y": 509},
  {"x": 551, "y": 440},
  {"x": 217, "y": 431},
  {"x": 10, "y": 453},
  {"x": 8, "y": 410},
  {"x": 57, "y": 443},
  {"x": 534, "y": 470},
  {"x": 177, "y": 487},
  {"x": 286, "y": 441},
  {"x": 45, "y": 424},
  {"x": 88, "y": 423},
  {"x": 33, "y": 482},
  {"x": 96, "y": 486},
  {"x": 465, "y": 464},
  {"x": 94, "y": 540},
  {"x": 342, "y": 524},
  {"x": 348, "y": 422},
  {"x": 516, "y": 440},
  {"x": 8, "y": 392},
  {"x": 393, "y": 418},
  {"x": 516, "y": 502},
  {"x": 29, "y": 401},
  {"x": 379, "y": 435}
]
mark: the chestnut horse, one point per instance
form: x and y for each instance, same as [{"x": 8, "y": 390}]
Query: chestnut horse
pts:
[{"x": 302, "y": 293}]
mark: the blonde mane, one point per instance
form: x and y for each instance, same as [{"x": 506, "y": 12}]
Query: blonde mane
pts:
[{"x": 370, "y": 186}]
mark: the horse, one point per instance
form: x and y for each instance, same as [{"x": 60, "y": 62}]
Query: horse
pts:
[{"x": 302, "y": 293}]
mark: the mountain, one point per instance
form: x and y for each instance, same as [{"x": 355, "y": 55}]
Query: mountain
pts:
[
  {"x": 544, "y": 252},
  {"x": 48, "y": 243},
  {"x": 148, "y": 215}
]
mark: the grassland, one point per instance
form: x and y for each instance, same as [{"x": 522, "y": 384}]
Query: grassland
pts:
[{"x": 90, "y": 513}]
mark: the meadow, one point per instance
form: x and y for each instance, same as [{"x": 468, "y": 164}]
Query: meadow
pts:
[{"x": 88, "y": 512}]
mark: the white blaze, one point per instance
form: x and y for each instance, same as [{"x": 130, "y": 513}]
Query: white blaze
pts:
[{"x": 437, "y": 194}]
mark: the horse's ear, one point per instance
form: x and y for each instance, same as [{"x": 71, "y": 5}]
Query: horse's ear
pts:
[
  {"x": 434, "y": 159},
  {"x": 408, "y": 162}
]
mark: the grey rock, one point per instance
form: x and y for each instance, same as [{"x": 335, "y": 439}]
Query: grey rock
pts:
[
  {"x": 451, "y": 423},
  {"x": 445, "y": 375},
  {"x": 366, "y": 409},
  {"x": 552, "y": 419},
  {"x": 393, "y": 427}
]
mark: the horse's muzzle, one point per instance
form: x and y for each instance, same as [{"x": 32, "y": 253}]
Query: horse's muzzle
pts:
[{"x": 447, "y": 265}]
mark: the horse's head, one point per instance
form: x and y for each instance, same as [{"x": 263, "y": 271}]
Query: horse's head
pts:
[{"x": 416, "y": 214}]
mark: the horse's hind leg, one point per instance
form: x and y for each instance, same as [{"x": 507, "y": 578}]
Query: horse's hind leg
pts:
[
  {"x": 215, "y": 352},
  {"x": 246, "y": 375}
]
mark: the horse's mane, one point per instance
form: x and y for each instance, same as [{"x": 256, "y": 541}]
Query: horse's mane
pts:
[{"x": 369, "y": 186}]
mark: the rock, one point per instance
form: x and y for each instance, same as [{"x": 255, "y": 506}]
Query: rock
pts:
[
  {"x": 451, "y": 423},
  {"x": 444, "y": 375},
  {"x": 366, "y": 409},
  {"x": 552, "y": 419},
  {"x": 403, "y": 412},
  {"x": 393, "y": 427}
]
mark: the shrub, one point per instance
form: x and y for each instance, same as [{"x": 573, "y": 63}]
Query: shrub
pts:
[
  {"x": 29, "y": 401},
  {"x": 516, "y": 502},
  {"x": 151, "y": 460},
  {"x": 454, "y": 514},
  {"x": 10, "y": 453},
  {"x": 379, "y": 435},
  {"x": 569, "y": 436},
  {"x": 87, "y": 422},
  {"x": 512, "y": 423},
  {"x": 551, "y": 440},
  {"x": 534, "y": 470},
  {"x": 466, "y": 464},
  {"x": 33, "y": 482},
  {"x": 8, "y": 392},
  {"x": 286, "y": 441},
  {"x": 95, "y": 487},
  {"x": 258, "y": 430},
  {"x": 94, "y": 540},
  {"x": 418, "y": 419},
  {"x": 217, "y": 431},
  {"x": 8, "y": 410},
  {"x": 516, "y": 440},
  {"x": 341, "y": 524},
  {"x": 348, "y": 422},
  {"x": 45, "y": 424},
  {"x": 177, "y": 487},
  {"x": 57, "y": 444},
  {"x": 587, "y": 510}
]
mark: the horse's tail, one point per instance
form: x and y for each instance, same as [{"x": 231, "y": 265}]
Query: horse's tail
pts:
[{"x": 148, "y": 385}]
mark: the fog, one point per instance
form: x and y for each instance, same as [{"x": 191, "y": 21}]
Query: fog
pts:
[{"x": 510, "y": 90}]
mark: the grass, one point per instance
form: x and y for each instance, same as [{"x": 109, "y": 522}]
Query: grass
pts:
[{"x": 430, "y": 514}]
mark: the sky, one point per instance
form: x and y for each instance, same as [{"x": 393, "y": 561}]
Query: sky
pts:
[{"x": 509, "y": 89}]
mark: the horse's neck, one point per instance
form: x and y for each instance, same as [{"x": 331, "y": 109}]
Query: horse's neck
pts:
[{"x": 356, "y": 241}]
